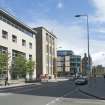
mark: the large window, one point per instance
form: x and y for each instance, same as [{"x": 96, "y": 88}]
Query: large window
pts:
[
  {"x": 3, "y": 49},
  {"x": 16, "y": 53},
  {"x": 23, "y": 42},
  {"x": 14, "y": 38},
  {"x": 4, "y": 34}
]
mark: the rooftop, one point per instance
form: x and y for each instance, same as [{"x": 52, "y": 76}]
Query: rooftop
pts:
[
  {"x": 41, "y": 27},
  {"x": 15, "y": 20}
]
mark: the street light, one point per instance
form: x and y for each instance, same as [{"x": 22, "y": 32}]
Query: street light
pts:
[{"x": 87, "y": 38}]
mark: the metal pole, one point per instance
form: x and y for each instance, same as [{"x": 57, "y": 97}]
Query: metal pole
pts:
[
  {"x": 88, "y": 43},
  {"x": 87, "y": 40}
]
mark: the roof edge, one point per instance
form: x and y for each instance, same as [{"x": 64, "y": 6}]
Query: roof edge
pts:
[{"x": 7, "y": 13}]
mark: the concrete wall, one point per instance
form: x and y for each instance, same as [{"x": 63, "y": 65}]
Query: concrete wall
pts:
[
  {"x": 39, "y": 65},
  {"x": 44, "y": 58}
]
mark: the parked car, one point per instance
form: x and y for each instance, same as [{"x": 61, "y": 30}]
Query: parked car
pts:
[
  {"x": 81, "y": 81},
  {"x": 85, "y": 77}
]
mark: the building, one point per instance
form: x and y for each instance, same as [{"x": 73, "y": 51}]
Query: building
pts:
[
  {"x": 16, "y": 37},
  {"x": 67, "y": 62},
  {"x": 45, "y": 52},
  {"x": 75, "y": 63},
  {"x": 98, "y": 70},
  {"x": 85, "y": 67}
]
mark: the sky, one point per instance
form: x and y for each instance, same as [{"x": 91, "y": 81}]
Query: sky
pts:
[{"x": 58, "y": 17}]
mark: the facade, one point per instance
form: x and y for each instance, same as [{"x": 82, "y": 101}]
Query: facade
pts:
[
  {"x": 16, "y": 37},
  {"x": 84, "y": 64},
  {"x": 98, "y": 70},
  {"x": 75, "y": 63},
  {"x": 45, "y": 52},
  {"x": 67, "y": 62}
]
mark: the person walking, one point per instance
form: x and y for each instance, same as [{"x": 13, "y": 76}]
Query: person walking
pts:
[{"x": 6, "y": 81}]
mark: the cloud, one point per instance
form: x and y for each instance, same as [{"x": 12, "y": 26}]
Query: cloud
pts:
[
  {"x": 99, "y": 58},
  {"x": 73, "y": 37},
  {"x": 99, "y": 6},
  {"x": 60, "y": 5}
]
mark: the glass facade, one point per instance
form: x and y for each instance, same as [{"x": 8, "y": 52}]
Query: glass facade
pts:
[
  {"x": 71, "y": 63},
  {"x": 64, "y": 53}
]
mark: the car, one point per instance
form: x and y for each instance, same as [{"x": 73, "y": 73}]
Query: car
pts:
[
  {"x": 85, "y": 77},
  {"x": 81, "y": 81}
]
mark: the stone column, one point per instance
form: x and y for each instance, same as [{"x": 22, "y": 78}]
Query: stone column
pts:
[{"x": 9, "y": 63}]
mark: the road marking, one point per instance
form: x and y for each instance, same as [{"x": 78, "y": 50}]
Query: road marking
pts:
[
  {"x": 76, "y": 101},
  {"x": 59, "y": 98}
]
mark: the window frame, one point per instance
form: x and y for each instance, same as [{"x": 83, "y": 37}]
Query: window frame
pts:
[
  {"x": 4, "y": 34},
  {"x": 14, "y": 38}
]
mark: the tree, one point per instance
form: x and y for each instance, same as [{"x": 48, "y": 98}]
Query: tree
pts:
[
  {"x": 19, "y": 66},
  {"x": 30, "y": 65},
  {"x": 4, "y": 62}
]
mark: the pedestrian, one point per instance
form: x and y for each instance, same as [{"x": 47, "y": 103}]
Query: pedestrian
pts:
[{"x": 6, "y": 81}]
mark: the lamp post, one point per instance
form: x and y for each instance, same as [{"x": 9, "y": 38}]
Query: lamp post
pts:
[{"x": 88, "y": 43}]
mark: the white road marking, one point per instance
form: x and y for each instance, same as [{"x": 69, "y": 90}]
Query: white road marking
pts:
[
  {"x": 59, "y": 98},
  {"x": 76, "y": 101}
]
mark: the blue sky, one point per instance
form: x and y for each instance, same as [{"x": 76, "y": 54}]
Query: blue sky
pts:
[
  {"x": 58, "y": 17},
  {"x": 60, "y": 10}
]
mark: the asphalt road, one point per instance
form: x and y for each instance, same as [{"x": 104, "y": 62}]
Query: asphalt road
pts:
[{"x": 60, "y": 93}]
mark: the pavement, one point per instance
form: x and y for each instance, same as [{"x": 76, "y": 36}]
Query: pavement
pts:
[
  {"x": 16, "y": 85},
  {"x": 95, "y": 88},
  {"x": 22, "y": 83}
]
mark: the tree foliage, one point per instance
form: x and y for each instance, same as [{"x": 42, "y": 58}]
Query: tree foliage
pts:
[
  {"x": 3, "y": 61},
  {"x": 19, "y": 66},
  {"x": 30, "y": 66}
]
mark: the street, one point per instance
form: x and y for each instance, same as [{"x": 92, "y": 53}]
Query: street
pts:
[{"x": 60, "y": 93}]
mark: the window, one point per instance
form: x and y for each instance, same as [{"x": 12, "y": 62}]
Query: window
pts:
[
  {"x": 4, "y": 34},
  {"x": 23, "y": 42},
  {"x": 3, "y": 49},
  {"x": 50, "y": 50},
  {"x": 47, "y": 37},
  {"x": 30, "y": 57},
  {"x": 47, "y": 59},
  {"x": 47, "y": 48},
  {"x": 14, "y": 38},
  {"x": 30, "y": 45},
  {"x": 15, "y": 53}
]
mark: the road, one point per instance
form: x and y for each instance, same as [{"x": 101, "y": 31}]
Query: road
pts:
[{"x": 60, "y": 93}]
